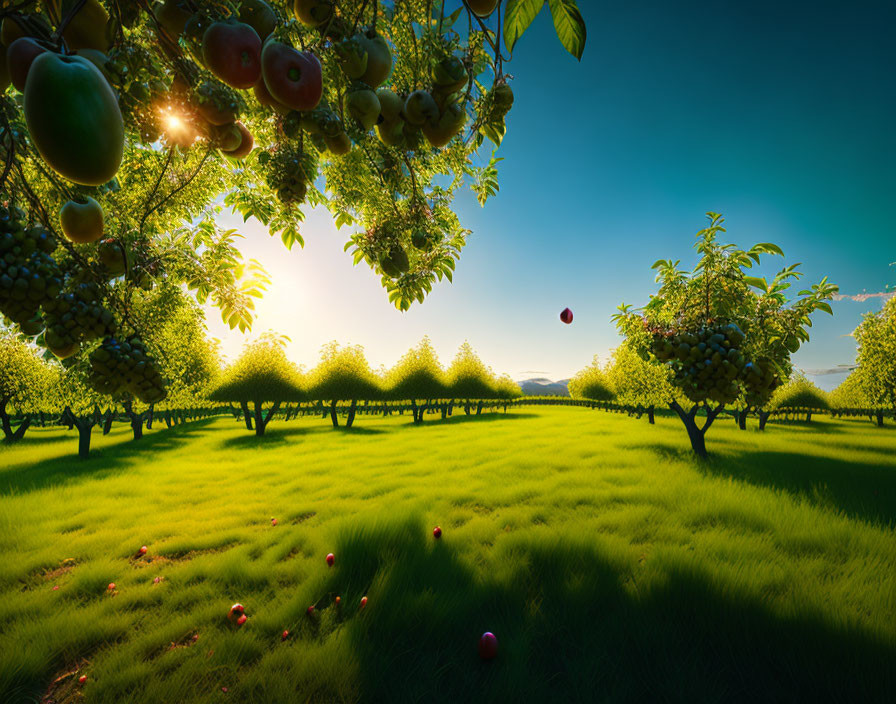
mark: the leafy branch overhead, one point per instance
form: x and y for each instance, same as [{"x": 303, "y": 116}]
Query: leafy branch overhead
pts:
[{"x": 127, "y": 127}]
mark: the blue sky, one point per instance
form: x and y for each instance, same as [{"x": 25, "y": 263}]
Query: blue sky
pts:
[{"x": 777, "y": 115}]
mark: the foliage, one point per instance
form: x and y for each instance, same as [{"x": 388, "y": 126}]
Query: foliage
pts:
[
  {"x": 24, "y": 376},
  {"x": 876, "y": 338},
  {"x": 850, "y": 394},
  {"x": 636, "y": 382},
  {"x": 417, "y": 375},
  {"x": 801, "y": 393},
  {"x": 591, "y": 383},
  {"x": 468, "y": 377},
  {"x": 262, "y": 373},
  {"x": 343, "y": 374},
  {"x": 506, "y": 388}
]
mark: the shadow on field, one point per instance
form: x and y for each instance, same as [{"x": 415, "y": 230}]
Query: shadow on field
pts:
[
  {"x": 103, "y": 461},
  {"x": 861, "y": 490},
  {"x": 569, "y": 630},
  {"x": 456, "y": 418},
  {"x": 274, "y": 436}
]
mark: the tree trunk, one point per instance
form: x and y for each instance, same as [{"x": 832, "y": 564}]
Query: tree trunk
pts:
[
  {"x": 246, "y": 415},
  {"x": 808, "y": 416},
  {"x": 651, "y": 410},
  {"x": 85, "y": 426},
  {"x": 444, "y": 411},
  {"x": 149, "y": 416},
  {"x": 333, "y": 417},
  {"x": 742, "y": 418},
  {"x": 168, "y": 418},
  {"x": 879, "y": 415},
  {"x": 467, "y": 408},
  {"x": 351, "y": 414},
  {"x": 479, "y": 409},
  {"x": 696, "y": 434},
  {"x": 414, "y": 411},
  {"x": 9, "y": 435},
  {"x": 262, "y": 420},
  {"x": 763, "y": 418}
]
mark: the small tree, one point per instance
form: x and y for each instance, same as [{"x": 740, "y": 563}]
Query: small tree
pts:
[
  {"x": 469, "y": 378},
  {"x": 417, "y": 376},
  {"x": 506, "y": 389},
  {"x": 850, "y": 399},
  {"x": 638, "y": 383},
  {"x": 876, "y": 338},
  {"x": 261, "y": 375},
  {"x": 343, "y": 374},
  {"x": 591, "y": 383},
  {"x": 24, "y": 378},
  {"x": 76, "y": 400},
  {"x": 800, "y": 395},
  {"x": 722, "y": 333}
]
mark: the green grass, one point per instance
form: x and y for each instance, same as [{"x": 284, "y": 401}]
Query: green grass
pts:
[{"x": 611, "y": 565}]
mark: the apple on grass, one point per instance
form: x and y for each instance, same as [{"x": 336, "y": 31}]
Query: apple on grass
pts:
[
  {"x": 437, "y": 532},
  {"x": 331, "y": 559},
  {"x": 82, "y": 679},
  {"x": 284, "y": 635},
  {"x": 488, "y": 646},
  {"x": 363, "y": 601}
]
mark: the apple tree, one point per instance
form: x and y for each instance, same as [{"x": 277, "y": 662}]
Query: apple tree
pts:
[
  {"x": 129, "y": 125},
  {"x": 261, "y": 375},
  {"x": 469, "y": 379},
  {"x": 417, "y": 376},
  {"x": 876, "y": 359},
  {"x": 591, "y": 383},
  {"x": 799, "y": 395},
  {"x": 637, "y": 383},
  {"x": 719, "y": 331},
  {"x": 24, "y": 379},
  {"x": 343, "y": 374}
]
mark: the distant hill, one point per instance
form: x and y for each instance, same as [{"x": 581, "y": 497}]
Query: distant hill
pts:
[{"x": 544, "y": 387}]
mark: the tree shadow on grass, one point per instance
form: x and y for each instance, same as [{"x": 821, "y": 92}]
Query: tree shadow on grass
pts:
[
  {"x": 103, "y": 461},
  {"x": 461, "y": 417},
  {"x": 860, "y": 489},
  {"x": 569, "y": 630},
  {"x": 273, "y": 437}
]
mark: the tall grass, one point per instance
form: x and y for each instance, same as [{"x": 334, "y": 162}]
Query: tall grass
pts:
[{"x": 610, "y": 564}]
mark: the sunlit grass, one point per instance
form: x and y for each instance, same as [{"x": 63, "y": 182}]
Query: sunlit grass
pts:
[{"x": 611, "y": 566}]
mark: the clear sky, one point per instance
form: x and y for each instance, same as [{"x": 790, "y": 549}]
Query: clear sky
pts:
[{"x": 780, "y": 115}]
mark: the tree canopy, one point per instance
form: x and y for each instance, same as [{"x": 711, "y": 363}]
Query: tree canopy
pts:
[{"x": 876, "y": 359}]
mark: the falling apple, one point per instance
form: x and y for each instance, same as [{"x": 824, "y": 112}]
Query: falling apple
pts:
[
  {"x": 488, "y": 646},
  {"x": 437, "y": 532},
  {"x": 363, "y": 601},
  {"x": 566, "y": 316},
  {"x": 331, "y": 559}
]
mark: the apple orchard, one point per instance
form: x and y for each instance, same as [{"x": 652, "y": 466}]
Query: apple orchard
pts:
[{"x": 126, "y": 127}]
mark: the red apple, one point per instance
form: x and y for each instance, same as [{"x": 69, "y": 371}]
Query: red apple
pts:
[
  {"x": 363, "y": 601},
  {"x": 263, "y": 96},
  {"x": 285, "y": 635},
  {"x": 437, "y": 532},
  {"x": 310, "y": 610},
  {"x": 488, "y": 646},
  {"x": 331, "y": 559},
  {"x": 143, "y": 550},
  {"x": 232, "y": 51},
  {"x": 566, "y": 316},
  {"x": 337, "y": 600},
  {"x": 56, "y": 588},
  {"x": 19, "y": 57},
  {"x": 246, "y": 144},
  {"x": 293, "y": 78},
  {"x": 111, "y": 586},
  {"x": 156, "y": 580},
  {"x": 236, "y": 611},
  {"x": 241, "y": 620},
  {"x": 82, "y": 679}
]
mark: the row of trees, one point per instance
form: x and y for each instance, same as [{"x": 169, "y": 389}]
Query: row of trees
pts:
[{"x": 262, "y": 380}]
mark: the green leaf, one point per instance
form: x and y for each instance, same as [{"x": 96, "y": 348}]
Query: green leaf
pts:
[
  {"x": 517, "y": 17},
  {"x": 756, "y": 282},
  {"x": 569, "y": 25},
  {"x": 826, "y": 307}
]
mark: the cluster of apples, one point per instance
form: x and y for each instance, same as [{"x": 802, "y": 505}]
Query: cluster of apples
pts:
[
  {"x": 74, "y": 317},
  {"x": 117, "y": 366},
  {"x": 29, "y": 276},
  {"x": 707, "y": 362}
]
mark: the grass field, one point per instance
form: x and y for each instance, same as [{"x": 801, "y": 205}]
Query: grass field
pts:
[{"x": 610, "y": 565}]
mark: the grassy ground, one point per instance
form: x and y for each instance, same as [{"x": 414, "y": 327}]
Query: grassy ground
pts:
[{"x": 609, "y": 564}]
